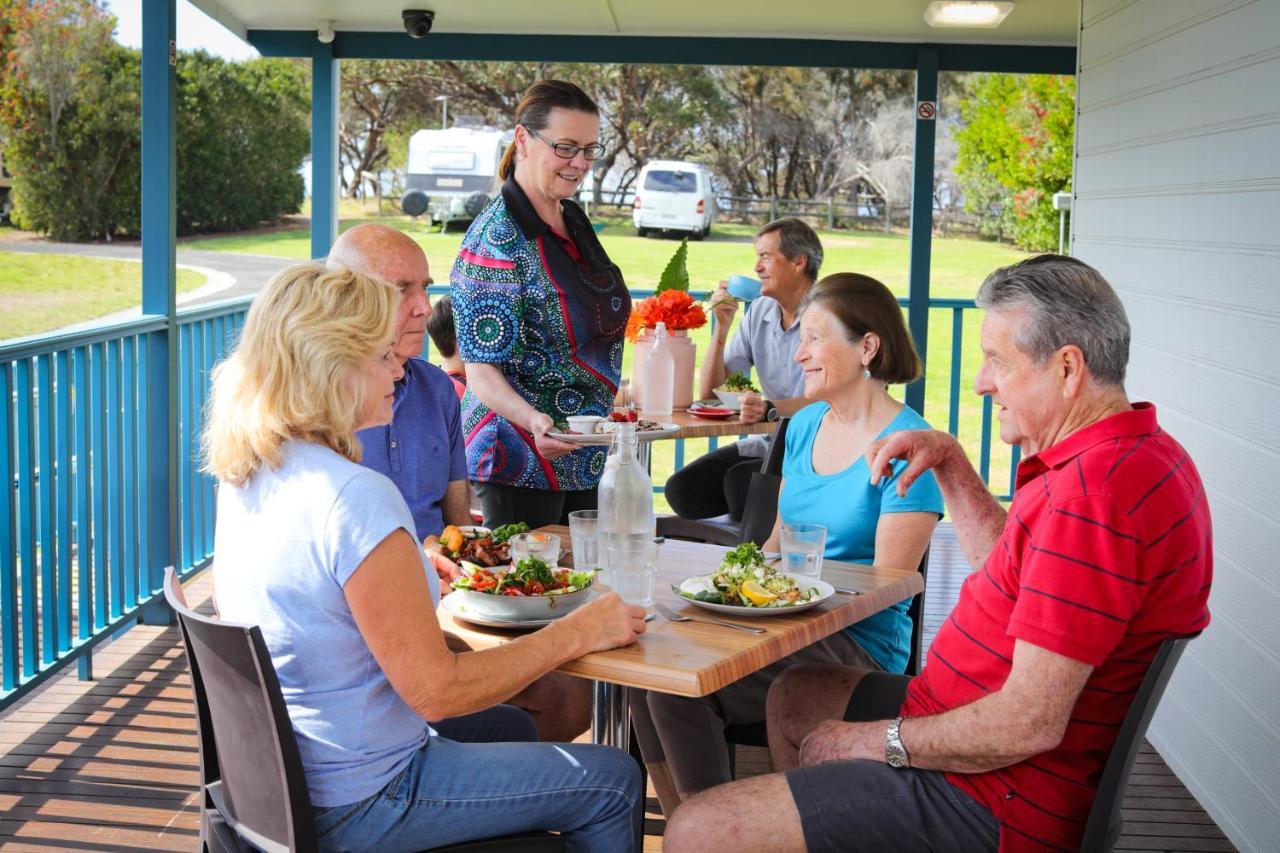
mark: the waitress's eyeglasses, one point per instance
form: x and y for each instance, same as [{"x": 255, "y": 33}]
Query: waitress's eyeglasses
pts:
[{"x": 567, "y": 150}]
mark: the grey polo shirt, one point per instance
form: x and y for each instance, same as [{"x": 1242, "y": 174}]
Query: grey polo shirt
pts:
[{"x": 762, "y": 343}]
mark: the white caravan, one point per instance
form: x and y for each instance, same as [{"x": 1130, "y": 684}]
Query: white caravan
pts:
[
  {"x": 674, "y": 195},
  {"x": 453, "y": 173}
]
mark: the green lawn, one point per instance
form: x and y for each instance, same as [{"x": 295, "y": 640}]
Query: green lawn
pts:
[
  {"x": 44, "y": 292},
  {"x": 958, "y": 267}
]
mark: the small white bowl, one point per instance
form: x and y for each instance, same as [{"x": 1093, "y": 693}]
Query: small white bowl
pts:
[
  {"x": 730, "y": 399},
  {"x": 584, "y": 424}
]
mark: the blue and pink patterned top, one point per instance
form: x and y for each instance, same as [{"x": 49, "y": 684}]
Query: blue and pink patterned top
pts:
[{"x": 550, "y": 310}]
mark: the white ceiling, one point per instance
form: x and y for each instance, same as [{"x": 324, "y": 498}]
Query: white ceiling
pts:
[{"x": 1032, "y": 22}]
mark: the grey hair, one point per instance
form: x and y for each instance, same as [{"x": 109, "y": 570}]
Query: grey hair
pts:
[
  {"x": 795, "y": 238},
  {"x": 1069, "y": 303}
]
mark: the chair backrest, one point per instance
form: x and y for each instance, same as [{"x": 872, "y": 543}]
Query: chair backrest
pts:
[
  {"x": 777, "y": 450},
  {"x": 916, "y": 612},
  {"x": 1105, "y": 817},
  {"x": 761, "y": 508},
  {"x": 249, "y": 758}
]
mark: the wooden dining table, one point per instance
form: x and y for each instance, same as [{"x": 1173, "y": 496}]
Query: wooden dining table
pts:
[
  {"x": 692, "y": 426},
  {"x": 695, "y": 658}
]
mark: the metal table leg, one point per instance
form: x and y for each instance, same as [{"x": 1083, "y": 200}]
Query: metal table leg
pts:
[{"x": 611, "y": 716}]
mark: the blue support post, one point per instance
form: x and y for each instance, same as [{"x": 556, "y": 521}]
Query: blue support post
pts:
[
  {"x": 159, "y": 240},
  {"x": 324, "y": 148},
  {"x": 922, "y": 212}
]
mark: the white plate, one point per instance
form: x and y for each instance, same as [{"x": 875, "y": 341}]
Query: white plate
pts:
[
  {"x": 456, "y": 606},
  {"x": 825, "y": 591},
  {"x": 604, "y": 439}
]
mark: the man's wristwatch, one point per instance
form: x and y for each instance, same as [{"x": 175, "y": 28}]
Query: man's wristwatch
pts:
[
  {"x": 770, "y": 411},
  {"x": 895, "y": 754}
]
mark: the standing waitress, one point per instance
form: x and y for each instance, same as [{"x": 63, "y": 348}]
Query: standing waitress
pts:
[{"x": 540, "y": 312}]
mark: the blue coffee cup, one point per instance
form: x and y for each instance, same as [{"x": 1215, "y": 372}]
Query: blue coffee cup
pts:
[{"x": 744, "y": 287}]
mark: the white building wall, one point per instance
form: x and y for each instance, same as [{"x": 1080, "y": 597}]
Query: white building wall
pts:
[{"x": 1177, "y": 187}]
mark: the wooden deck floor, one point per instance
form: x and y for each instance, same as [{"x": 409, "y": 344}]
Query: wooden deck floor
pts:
[{"x": 111, "y": 764}]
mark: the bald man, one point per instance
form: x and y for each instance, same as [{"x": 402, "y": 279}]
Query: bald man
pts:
[{"x": 422, "y": 451}]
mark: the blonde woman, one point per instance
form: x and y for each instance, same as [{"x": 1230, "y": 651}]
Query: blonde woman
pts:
[{"x": 322, "y": 554}]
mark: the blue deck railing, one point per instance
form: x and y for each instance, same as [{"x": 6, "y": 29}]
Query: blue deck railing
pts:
[{"x": 75, "y": 565}]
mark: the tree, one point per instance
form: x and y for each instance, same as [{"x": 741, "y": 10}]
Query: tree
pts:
[{"x": 1015, "y": 152}]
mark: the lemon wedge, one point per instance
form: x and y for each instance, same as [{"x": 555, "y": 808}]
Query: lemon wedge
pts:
[{"x": 755, "y": 593}]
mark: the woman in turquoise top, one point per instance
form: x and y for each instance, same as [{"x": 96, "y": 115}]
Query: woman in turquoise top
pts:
[{"x": 853, "y": 345}]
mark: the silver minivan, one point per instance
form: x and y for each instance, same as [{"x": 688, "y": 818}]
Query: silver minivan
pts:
[{"x": 674, "y": 195}]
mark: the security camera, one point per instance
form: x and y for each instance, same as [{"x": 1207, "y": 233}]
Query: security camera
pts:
[{"x": 417, "y": 22}]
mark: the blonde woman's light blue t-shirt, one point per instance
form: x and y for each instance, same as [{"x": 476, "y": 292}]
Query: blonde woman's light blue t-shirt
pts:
[{"x": 287, "y": 542}]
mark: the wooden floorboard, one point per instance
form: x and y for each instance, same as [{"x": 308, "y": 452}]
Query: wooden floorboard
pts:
[{"x": 112, "y": 764}]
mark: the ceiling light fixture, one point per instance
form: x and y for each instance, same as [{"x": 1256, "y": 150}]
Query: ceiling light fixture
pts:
[{"x": 963, "y": 13}]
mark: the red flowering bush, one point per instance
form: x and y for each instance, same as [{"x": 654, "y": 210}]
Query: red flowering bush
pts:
[{"x": 675, "y": 308}]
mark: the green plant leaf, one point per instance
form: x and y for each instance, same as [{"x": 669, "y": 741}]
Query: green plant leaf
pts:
[{"x": 676, "y": 275}]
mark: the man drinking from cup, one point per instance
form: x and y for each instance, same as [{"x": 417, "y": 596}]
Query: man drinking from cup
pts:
[{"x": 788, "y": 257}]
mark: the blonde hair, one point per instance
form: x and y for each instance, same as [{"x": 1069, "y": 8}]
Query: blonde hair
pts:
[{"x": 292, "y": 374}]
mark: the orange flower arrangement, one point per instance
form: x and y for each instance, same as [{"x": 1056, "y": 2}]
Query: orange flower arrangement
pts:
[{"x": 675, "y": 308}]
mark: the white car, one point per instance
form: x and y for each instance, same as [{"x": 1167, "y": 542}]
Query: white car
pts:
[{"x": 674, "y": 195}]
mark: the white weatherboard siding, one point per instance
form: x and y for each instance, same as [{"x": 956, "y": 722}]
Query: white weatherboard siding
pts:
[{"x": 1177, "y": 186}]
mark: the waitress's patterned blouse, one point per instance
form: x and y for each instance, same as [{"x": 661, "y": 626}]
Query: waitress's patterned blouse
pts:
[{"x": 550, "y": 312}]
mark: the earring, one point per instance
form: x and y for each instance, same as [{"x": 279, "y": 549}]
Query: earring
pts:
[{"x": 866, "y": 372}]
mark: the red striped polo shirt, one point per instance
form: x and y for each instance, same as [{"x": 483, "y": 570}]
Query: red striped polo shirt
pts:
[{"x": 1107, "y": 552}]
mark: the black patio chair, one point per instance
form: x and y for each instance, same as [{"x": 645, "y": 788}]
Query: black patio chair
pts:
[
  {"x": 1106, "y": 820},
  {"x": 756, "y": 524},
  {"x": 255, "y": 793}
]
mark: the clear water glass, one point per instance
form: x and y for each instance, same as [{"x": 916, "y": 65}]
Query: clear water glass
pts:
[
  {"x": 584, "y": 536},
  {"x": 545, "y": 546},
  {"x": 633, "y": 568},
  {"x": 802, "y": 547}
]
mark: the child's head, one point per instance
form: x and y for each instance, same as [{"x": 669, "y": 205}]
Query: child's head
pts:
[{"x": 440, "y": 327}]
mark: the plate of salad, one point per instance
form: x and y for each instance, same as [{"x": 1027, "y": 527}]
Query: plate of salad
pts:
[
  {"x": 530, "y": 590},
  {"x": 746, "y": 585},
  {"x": 734, "y": 386}
]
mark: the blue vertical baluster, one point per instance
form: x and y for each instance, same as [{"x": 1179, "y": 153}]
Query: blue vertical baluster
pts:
[
  {"x": 957, "y": 360},
  {"x": 199, "y": 359},
  {"x": 84, "y": 511},
  {"x": 128, "y": 510},
  {"x": 712, "y": 443},
  {"x": 144, "y": 467},
  {"x": 114, "y": 529},
  {"x": 97, "y": 439},
  {"x": 8, "y": 561},
  {"x": 184, "y": 442},
  {"x": 984, "y": 453},
  {"x": 62, "y": 425},
  {"x": 27, "y": 521},
  {"x": 219, "y": 350},
  {"x": 48, "y": 519}
]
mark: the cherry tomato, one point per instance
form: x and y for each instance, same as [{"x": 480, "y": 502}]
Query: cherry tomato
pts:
[{"x": 534, "y": 588}]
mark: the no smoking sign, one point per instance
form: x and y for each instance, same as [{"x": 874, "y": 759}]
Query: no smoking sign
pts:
[{"x": 927, "y": 110}]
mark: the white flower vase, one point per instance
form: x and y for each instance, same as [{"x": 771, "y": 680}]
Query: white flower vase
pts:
[{"x": 683, "y": 351}]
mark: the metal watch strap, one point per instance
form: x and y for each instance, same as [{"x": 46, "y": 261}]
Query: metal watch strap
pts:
[{"x": 895, "y": 754}]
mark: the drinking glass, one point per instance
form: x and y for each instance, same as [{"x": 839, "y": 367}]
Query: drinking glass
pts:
[
  {"x": 633, "y": 568},
  {"x": 584, "y": 535},
  {"x": 802, "y": 546},
  {"x": 545, "y": 546}
]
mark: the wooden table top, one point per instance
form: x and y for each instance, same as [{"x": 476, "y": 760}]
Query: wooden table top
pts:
[
  {"x": 692, "y": 427},
  {"x": 694, "y": 659}
]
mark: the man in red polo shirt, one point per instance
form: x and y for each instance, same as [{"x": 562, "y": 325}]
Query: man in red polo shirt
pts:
[{"x": 1105, "y": 552}]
